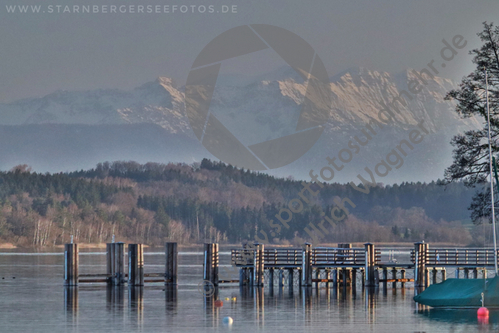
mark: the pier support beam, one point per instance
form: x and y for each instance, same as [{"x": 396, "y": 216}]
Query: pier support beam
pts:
[
  {"x": 258, "y": 265},
  {"x": 171, "y": 265},
  {"x": 307, "y": 265},
  {"x": 71, "y": 262},
  {"x": 370, "y": 265},
  {"x": 135, "y": 265},
  {"x": 290, "y": 278},
  {"x": 210, "y": 263}
]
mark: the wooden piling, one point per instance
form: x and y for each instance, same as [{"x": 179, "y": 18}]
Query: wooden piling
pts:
[
  {"x": 443, "y": 274},
  {"x": 119, "y": 264},
  {"x": 475, "y": 273},
  {"x": 290, "y": 278},
  {"x": 420, "y": 271},
  {"x": 394, "y": 277},
  {"x": 271, "y": 278},
  {"x": 135, "y": 265},
  {"x": 171, "y": 265},
  {"x": 258, "y": 265},
  {"x": 210, "y": 264},
  {"x": 370, "y": 265},
  {"x": 434, "y": 271},
  {"x": 281, "y": 278},
  {"x": 71, "y": 262},
  {"x": 402, "y": 276},
  {"x": 307, "y": 265}
]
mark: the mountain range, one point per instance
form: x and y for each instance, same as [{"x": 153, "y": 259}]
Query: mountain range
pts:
[{"x": 70, "y": 130}]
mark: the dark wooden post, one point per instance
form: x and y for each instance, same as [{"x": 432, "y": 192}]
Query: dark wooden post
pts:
[
  {"x": 434, "y": 275},
  {"x": 135, "y": 265},
  {"x": 119, "y": 264},
  {"x": 402, "y": 276},
  {"x": 394, "y": 276},
  {"x": 307, "y": 265},
  {"x": 354, "y": 278},
  {"x": 210, "y": 265},
  {"x": 370, "y": 265},
  {"x": 281, "y": 278},
  {"x": 258, "y": 265},
  {"x": 171, "y": 264},
  {"x": 271, "y": 278},
  {"x": 443, "y": 272},
  {"x": 71, "y": 261},
  {"x": 109, "y": 262},
  {"x": 385, "y": 277},
  {"x": 290, "y": 278}
]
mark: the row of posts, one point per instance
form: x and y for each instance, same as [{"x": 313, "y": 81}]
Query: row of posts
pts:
[
  {"x": 115, "y": 267},
  {"x": 254, "y": 274}
]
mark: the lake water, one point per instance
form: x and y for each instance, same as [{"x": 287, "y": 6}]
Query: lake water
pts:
[{"x": 33, "y": 299}]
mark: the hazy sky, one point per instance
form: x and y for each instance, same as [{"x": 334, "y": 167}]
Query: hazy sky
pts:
[{"x": 45, "y": 52}]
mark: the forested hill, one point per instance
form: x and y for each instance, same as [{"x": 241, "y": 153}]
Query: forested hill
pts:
[{"x": 153, "y": 202}]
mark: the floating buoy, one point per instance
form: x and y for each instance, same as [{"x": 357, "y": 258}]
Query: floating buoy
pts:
[
  {"x": 483, "y": 312},
  {"x": 228, "y": 321},
  {"x": 219, "y": 303}
]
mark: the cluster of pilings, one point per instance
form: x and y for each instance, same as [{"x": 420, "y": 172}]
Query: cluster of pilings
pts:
[{"x": 115, "y": 266}]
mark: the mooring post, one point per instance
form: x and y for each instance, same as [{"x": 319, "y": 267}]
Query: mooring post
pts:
[
  {"x": 466, "y": 273},
  {"x": 119, "y": 264},
  {"x": 394, "y": 276},
  {"x": 420, "y": 264},
  {"x": 71, "y": 262},
  {"x": 258, "y": 265},
  {"x": 210, "y": 264},
  {"x": 135, "y": 265},
  {"x": 443, "y": 272},
  {"x": 370, "y": 265},
  {"x": 109, "y": 262},
  {"x": 171, "y": 265},
  {"x": 475, "y": 273},
  {"x": 402, "y": 276},
  {"x": 281, "y": 278},
  {"x": 271, "y": 278},
  {"x": 307, "y": 265}
]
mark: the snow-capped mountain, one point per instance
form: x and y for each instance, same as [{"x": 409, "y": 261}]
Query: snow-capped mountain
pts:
[{"x": 254, "y": 109}]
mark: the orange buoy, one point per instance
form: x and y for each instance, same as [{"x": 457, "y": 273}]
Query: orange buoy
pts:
[
  {"x": 482, "y": 312},
  {"x": 219, "y": 303}
]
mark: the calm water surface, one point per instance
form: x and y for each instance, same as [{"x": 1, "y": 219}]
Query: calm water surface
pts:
[{"x": 36, "y": 301}]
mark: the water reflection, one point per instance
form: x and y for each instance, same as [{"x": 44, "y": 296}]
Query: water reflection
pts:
[
  {"x": 462, "y": 316},
  {"x": 136, "y": 306},
  {"x": 212, "y": 308},
  {"x": 71, "y": 305},
  {"x": 171, "y": 299}
]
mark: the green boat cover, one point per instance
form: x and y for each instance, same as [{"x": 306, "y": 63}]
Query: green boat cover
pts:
[{"x": 461, "y": 293}]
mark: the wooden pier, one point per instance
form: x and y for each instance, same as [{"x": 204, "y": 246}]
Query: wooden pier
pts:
[{"x": 342, "y": 266}]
